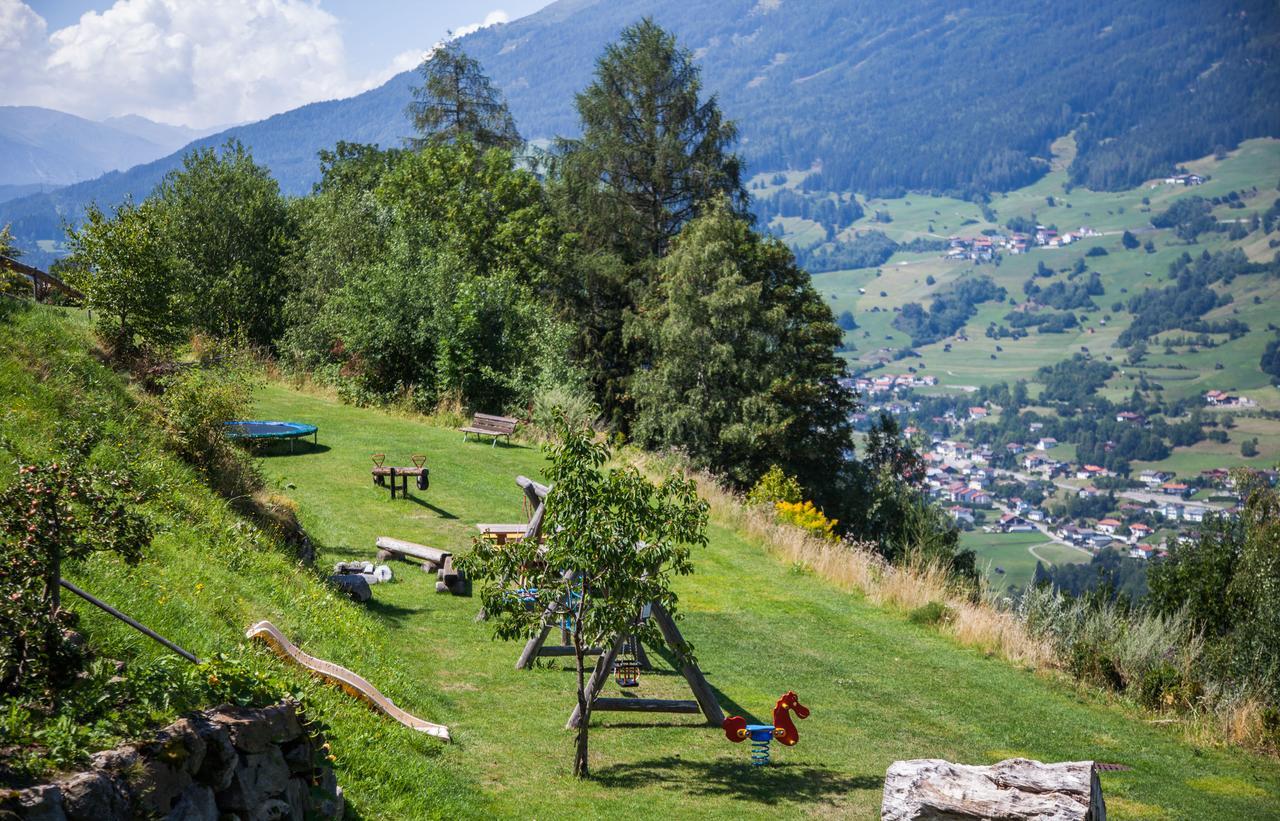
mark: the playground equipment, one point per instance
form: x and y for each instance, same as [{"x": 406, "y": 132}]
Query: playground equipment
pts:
[
  {"x": 260, "y": 430},
  {"x": 626, "y": 670},
  {"x": 351, "y": 683},
  {"x": 736, "y": 728},
  {"x": 383, "y": 473}
]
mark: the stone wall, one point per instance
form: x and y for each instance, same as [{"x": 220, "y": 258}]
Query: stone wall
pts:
[{"x": 230, "y": 762}]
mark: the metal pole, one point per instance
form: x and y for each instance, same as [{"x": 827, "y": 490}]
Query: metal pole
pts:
[{"x": 146, "y": 631}]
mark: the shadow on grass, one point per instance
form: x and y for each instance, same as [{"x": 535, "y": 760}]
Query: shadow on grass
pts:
[
  {"x": 393, "y": 613},
  {"x": 773, "y": 784},
  {"x": 277, "y": 449},
  {"x": 439, "y": 511}
]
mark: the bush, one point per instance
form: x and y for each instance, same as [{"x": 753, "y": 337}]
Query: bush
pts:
[
  {"x": 935, "y": 612},
  {"x": 775, "y": 486},
  {"x": 806, "y": 516},
  {"x": 198, "y": 402},
  {"x": 551, "y": 404}
]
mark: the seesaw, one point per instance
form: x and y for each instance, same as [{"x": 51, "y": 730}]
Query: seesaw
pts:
[{"x": 353, "y": 684}]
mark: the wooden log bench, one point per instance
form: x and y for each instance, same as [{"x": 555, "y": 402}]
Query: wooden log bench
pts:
[
  {"x": 486, "y": 424},
  {"x": 448, "y": 578},
  {"x": 384, "y": 475}
]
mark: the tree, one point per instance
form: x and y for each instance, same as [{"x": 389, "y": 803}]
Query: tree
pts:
[
  {"x": 1129, "y": 241},
  {"x": 744, "y": 372},
  {"x": 124, "y": 265},
  {"x": 1270, "y": 361},
  {"x": 652, "y": 153},
  {"x": 1249, "y": 448},
  {"x": 229, "y": 225},
  {"x": 614, "y": 541},
  {"x": 456, "y": 99}
]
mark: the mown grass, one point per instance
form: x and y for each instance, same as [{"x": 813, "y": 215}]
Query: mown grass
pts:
[
  {"x": 1010, "y": 553},
  {"x": 880, "y": 688},
  {"x": 760, "y": 626}
]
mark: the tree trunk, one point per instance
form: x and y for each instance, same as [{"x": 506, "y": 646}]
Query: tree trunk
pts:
[
  {"x": 934, "y": 790},
  {"x": 584, "y": 709}
]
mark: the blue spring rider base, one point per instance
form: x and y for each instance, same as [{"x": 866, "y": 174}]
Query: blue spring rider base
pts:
[{"x": 761, "y": 735}]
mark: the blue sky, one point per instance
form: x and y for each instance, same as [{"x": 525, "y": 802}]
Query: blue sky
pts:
[{"x": 207, "y": 62}]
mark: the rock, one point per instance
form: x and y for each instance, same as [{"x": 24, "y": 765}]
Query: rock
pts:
[
  {"x": 220, "y": 756},
  {"x": 441, "y": 587},
  {"x": 353, "y": 585},
  {"x": 261, "y": 776},
  {"x": 253, "y": 731},
  {"x": 930, "y": 789},
  {"x": 158, "y": 785},
  {"x": 179, "y": 745},
  {"x": 195, "y": 804},
  {"x": 353, "y": 567},
  {"x": 95, "y": 796},
  {"x": 273, "y": 810},
  {"x": 383, "y": 572},
  {"x": 298, "y": 756},
  {"x": 42, "y": 803}
]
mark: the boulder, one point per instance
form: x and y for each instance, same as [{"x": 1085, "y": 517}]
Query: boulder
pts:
[
  {"x": 95, "y": 796},
  {"x": 42, "y": 803},
  {"x": 353, "y": 585},
  {"x": 195, "y": 804},
  {"x": 930, "y": 789},
  {"x": 254, "y": 730}
]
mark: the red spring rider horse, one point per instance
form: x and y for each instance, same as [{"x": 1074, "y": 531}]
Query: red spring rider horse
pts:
[{"x": 737, "y": 729}]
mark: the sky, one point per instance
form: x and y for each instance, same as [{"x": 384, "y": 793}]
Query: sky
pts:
[{"x": 204, "y": 63}]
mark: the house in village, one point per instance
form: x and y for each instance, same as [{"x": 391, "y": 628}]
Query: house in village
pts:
[{"x": 1109, "y": 526}]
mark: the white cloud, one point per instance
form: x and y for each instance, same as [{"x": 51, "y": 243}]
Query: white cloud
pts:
[
  {"x": 177, "y": 61},
  {"x": 493, "y": 18}
]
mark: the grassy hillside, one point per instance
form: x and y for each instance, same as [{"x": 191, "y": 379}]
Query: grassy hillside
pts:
[{"x": 759, "y": 627}]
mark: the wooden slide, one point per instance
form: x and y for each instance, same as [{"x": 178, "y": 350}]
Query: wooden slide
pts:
[{"x": 353, "y": 684}]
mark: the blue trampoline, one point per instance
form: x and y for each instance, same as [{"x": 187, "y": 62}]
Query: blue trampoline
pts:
[{"x": 256, "y": 430}]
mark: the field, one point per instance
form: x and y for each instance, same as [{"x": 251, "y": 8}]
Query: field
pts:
[
  {"x": 1011, "y": 552},
  {"x": 759, "y": 628},
  {"x": 977, "y": 360}
]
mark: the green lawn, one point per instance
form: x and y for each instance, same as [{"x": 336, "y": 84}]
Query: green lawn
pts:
[
  {"x": 1009, "y": 552},
  {"x": 759, "y": 628}
]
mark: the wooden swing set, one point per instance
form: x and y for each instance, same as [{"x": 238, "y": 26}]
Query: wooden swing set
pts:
[{"x": 624, "y": 656}]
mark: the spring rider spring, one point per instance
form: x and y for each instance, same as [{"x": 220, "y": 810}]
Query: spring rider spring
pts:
[{"x": 736, "y": 728}]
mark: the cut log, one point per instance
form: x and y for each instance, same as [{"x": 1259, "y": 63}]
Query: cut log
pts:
[
  {"x": 930, "y": 789},
  {"x": 410, "y": 549},
  {"x": 449, "y": 574},
  {"x": 353, "y": 585},
  {"x": 429, "y": 567},
  {"x": 384, "y": 555}
]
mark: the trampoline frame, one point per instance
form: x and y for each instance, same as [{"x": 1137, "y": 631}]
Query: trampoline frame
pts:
[{"x": 293, "y": 432}]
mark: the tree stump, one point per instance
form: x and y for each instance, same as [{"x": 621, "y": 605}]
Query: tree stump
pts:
[{"x": 930, "y": 789}]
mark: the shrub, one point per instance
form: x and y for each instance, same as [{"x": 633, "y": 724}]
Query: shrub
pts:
[
  {"x": 935, "y": 612},
  {"x": 550, "y": 404},
  {"x": 806, "y": 516},
  {"x": 198, "y": 402},
  {"x": 53, "y": 513},
  {"x": 775, "y": 486}
]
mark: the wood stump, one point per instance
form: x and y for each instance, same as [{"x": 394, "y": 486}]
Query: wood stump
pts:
[{"x": 930, "y": 789}]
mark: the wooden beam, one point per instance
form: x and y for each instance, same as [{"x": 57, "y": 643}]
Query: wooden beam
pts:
[
  {"x": 697, "y": 682},
  {"x": 604, "y": 668},
  {"x": 567, "y": 650},
  {"x": 646, "y": 705},
  {"x": 41, "y": 281}
]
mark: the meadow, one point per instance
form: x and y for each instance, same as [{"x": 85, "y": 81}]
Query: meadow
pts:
[{"x": 1013, "y": 554}]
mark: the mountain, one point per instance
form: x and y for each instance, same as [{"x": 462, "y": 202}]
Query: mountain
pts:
[
  {"x": 40, "y": 146},
  {"x": 864, "y": 96}
]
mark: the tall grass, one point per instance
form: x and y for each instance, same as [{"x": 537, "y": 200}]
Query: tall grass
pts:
[{"x": 1154, "y": 661}]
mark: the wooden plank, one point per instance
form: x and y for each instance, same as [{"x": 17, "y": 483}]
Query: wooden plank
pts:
[
  {"x": 566, "y": 650},
  {"x": 418, "y": 551},
  {"x": 534, "y": 490},
  {"x": 697, "y": 682},
  {"x": 646, "y": 705},
  {"x": 388, "y": 470},
  {"x": 601, "y": 673}
]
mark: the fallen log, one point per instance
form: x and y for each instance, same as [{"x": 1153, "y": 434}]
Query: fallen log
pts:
[{"x": 930, "y": 789}]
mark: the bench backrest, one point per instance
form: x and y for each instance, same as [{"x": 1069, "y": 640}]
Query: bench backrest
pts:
[{"x": 497, "y": 424}]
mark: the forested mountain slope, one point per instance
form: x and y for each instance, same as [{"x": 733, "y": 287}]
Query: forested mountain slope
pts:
[{"x": 877, "y": 98}]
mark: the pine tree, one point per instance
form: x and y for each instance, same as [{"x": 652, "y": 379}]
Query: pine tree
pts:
[{"x": 457, "y": 100}]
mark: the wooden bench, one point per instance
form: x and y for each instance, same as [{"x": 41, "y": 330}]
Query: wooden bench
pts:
[{"x": 485, "y": 424}]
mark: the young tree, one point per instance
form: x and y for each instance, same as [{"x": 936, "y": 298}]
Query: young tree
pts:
[
  {"x": 614, "y": 541},
  {"x": 744, "y": 372},
  {"x": 229, "y": 225},
  {"x": 124, "y": 266},
  {"x": 1129, "y": 241},
  {"x": 456, "y": 99}
]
